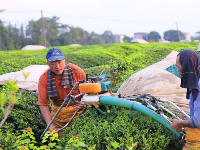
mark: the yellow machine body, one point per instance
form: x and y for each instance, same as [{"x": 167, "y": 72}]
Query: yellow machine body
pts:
[{"x": 90, "y": 87}]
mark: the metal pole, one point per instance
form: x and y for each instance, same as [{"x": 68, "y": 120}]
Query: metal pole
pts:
[
  {"x": 65, "y": 100},
  {"x": 0, "y": 42},
  {"x": 0, "y": 34},
  {"x": 178, "y": 32},
  {"x": 43, "y": 29}
]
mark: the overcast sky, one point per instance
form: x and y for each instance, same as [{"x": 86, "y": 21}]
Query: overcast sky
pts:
[{"x": 119, "y": 16}]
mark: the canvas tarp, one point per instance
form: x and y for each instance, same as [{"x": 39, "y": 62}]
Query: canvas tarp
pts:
[
  {"x": 141, "y": 41},
  {"x": 164, "y": 41},
  {"x": 33, "y": 47},
  {"x": 156, "y": 81},
  {"x": 31, "y": 83},
  {"x": 75, "y": 45}
]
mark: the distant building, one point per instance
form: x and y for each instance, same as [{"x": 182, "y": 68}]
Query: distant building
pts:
[
  {"x": 187, "y": 36},
  {"x": 118, "y": 38},
  {"x": 139, "y": 35}
]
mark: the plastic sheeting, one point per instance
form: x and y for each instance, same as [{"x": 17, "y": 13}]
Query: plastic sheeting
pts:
[
  {"x": 31, "y": 83},
  {"x": 164, "y": 41},
  {"x": 141, "y": 41},
  {"x": 33, "y": 47},
  {"x": 157, "y": 81}
]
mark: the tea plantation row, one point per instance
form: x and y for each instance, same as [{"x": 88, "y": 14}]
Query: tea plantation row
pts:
[{"x": 93, "y": 59}]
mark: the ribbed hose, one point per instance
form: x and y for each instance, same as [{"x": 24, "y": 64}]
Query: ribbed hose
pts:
[{"x": 109, "y": 100}]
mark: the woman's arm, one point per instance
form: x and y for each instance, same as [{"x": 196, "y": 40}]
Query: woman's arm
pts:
[{"x": 178, "y": 124}]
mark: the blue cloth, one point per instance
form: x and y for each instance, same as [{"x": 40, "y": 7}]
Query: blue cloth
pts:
[
  {"x": 173, "y": 69},
  {"x": 195, "y": 110}
]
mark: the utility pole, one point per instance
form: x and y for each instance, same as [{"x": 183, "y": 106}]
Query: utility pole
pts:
[
  {"x": 0, "y": 43},
  {"x": 178, "y": 32},
  {"x": 43, "y": 29},
  {"x": 0, "y": 30}
]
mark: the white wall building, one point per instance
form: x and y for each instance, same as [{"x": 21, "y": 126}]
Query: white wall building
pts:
[
  {"x": 118, "y": 38},
  {"x": 187, "y": 36},
  {"x": 139, "y": 35}
]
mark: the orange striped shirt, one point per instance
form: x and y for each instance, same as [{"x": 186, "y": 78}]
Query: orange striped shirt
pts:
[{"x": 43, "y": 99}]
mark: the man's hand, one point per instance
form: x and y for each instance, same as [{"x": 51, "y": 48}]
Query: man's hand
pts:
[
  {"x": 51, "y": 128},
  {"x": 47, "y": 116},
  {"x": 79, "y": 107}
]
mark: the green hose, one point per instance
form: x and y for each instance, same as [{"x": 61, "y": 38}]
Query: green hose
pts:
[{"x": 109, "y": 100}]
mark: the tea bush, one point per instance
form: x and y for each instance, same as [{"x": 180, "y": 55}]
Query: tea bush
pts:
[
  {"x": 25, "y": 114},
  {"x": 120, "y": 128},
  {"x": 93, "y": 55},
  {"x": 92, "y": 59}
]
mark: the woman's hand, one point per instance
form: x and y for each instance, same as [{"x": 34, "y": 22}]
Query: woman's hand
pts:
[{"x": 176, "y": 124}]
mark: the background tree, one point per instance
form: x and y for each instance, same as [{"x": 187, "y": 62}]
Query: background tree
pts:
[
  {"x": 57, "y": 34},
  {"x": 33, "y": 32},
  {"x": 198, "y": 36},
  {"x": 52, "y": 27},
  {"x": 94, "y": 38},
  {"x": 172, "y": 35},
  {"x": 107, "y": 36},
  {"x": 3, "y": 36},
  {"x": 198, "y": 33},
  {"x": 153, "y": 36},
  {"x": 84, "y": 35},
  {"x": 127, "y": 39},
  {"x": 11, "y": 37}
]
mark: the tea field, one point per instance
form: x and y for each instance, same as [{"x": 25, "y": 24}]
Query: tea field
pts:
[{"x": 110, "y": 131}]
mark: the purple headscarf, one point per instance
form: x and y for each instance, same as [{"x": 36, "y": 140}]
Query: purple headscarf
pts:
[{"x": 190, "y": 62}]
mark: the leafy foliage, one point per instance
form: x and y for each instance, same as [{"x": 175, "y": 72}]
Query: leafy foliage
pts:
[
  {"x": 153, "y": 36},
  {"x": 118, "y": 68},
  {"x": 93, "y": 59},
  {"x": 27, "y": 141},
  {"x": 56, "y": 34},
  {"x": 12, "y": 98},
  {"x": 93, "y": 56},
  {"x": 25, "y": 114},
  {"x": 119, "y": 131},
  {"x": 173, "y": 35}
]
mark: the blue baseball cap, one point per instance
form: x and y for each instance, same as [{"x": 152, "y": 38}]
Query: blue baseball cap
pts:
[{"x": 54, "y": 54}]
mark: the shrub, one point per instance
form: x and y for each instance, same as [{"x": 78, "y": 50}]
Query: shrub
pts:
[{"x": 120, "y": 130}]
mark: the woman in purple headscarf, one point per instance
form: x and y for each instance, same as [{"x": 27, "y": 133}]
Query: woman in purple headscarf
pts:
[{"x": 188, "y": 64}]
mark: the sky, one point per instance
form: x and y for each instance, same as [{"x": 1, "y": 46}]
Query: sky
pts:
[{"x": 119, "y": 16}]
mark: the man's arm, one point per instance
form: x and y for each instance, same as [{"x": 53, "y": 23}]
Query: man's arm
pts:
[{"x": 46, "y": 116}]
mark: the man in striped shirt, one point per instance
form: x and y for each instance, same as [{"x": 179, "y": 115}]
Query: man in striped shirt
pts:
[{"x": 55, "y": 84}]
